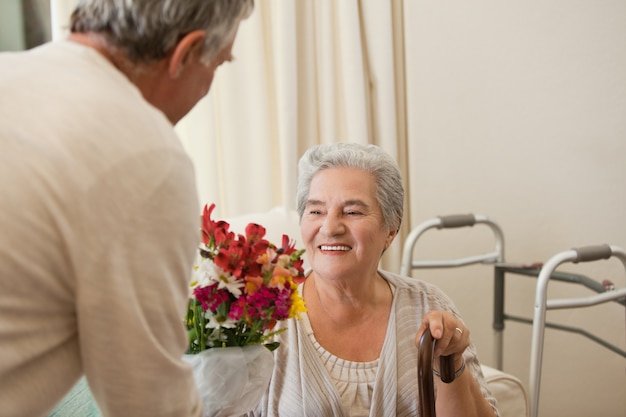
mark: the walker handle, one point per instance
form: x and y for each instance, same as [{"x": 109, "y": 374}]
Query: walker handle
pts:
[
  {"x": 592, "y": 253},
  {"x": 457, "y": 220}
]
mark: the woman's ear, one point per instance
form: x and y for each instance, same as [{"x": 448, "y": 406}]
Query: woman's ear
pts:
[
  {"x": 190, "y": 46},
  {"x": 392, "y": 234}
]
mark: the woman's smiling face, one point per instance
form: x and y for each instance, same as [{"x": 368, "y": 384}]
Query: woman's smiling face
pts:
[{"x": 342, "y": 225}]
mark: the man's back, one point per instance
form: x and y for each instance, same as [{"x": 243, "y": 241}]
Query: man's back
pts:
[{"x": 98, "y": 217}]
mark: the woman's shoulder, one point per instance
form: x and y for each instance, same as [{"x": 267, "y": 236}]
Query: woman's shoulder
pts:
[
  {"x": 409, "y": 289},
  {"x": 410, "y": 283}
]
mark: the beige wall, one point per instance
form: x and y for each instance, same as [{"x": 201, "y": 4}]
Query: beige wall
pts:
[{"x": 517, "y": 110}]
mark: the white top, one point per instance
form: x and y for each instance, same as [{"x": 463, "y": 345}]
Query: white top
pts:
[{"x": 354, "y": 381}]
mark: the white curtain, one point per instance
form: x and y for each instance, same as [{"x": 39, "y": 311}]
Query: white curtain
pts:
[
  {"x": 60, "y": 11},
  {"x": 305, "y": 72}
]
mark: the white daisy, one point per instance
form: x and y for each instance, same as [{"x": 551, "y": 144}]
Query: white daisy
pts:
[
  {"x": 215, "y": 322},
  {"x": 231, "y": 283}
]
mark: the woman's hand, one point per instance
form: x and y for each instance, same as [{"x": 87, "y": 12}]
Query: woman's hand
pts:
[
  {"x": 463, "y": 397},
  {"x": 450, "y": 333}
]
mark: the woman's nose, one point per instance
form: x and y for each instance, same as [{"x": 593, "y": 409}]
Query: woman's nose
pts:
[{"x": 332, "y": 225}]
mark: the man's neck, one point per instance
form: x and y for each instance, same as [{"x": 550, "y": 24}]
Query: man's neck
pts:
[{"x": 151, "y": 79}]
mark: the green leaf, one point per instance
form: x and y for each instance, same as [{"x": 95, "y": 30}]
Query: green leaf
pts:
[{"x": 272, "y": 346}]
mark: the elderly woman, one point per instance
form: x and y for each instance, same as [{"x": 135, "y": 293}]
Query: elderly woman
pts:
[{"x": 354, "y": 352}]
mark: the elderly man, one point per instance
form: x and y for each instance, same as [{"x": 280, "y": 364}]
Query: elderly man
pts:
[{"x": 98, "y": 206}]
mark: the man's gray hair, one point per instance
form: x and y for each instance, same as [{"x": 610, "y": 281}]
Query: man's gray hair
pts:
[
  {"x": 147, "y": 30},
  {"x": 369, "y": 158}
]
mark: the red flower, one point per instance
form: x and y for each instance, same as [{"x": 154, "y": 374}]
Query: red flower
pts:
[
  {"x": 216, "y": 231},
  {"x": 288, "y": 246},
  {"x": 254, "y": 232}
]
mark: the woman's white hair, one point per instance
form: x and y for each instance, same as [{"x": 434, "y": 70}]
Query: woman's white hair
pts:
[{"x": 369, "y": 158}]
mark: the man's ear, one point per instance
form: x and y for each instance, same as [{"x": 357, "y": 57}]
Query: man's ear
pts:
[{"x": 189, "y": 46}]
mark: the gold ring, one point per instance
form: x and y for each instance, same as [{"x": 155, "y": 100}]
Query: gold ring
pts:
[{"x": 459, "y": 330}]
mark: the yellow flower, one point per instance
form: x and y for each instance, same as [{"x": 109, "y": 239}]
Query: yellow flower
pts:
[{"x": 297, "y": 304}]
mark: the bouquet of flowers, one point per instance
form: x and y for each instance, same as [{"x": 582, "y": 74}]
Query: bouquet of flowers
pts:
[{"x": 242, "y": 286}]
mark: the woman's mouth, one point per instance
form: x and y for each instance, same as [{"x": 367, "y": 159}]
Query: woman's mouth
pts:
[{"x": 337, "y": 248}]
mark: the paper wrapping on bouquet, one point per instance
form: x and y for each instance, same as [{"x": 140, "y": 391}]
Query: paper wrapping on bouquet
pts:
[{"x": 231, "y": 380}]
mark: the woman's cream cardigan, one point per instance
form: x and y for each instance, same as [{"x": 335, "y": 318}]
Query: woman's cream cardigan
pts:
[{"x": 301, "y": 386}]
